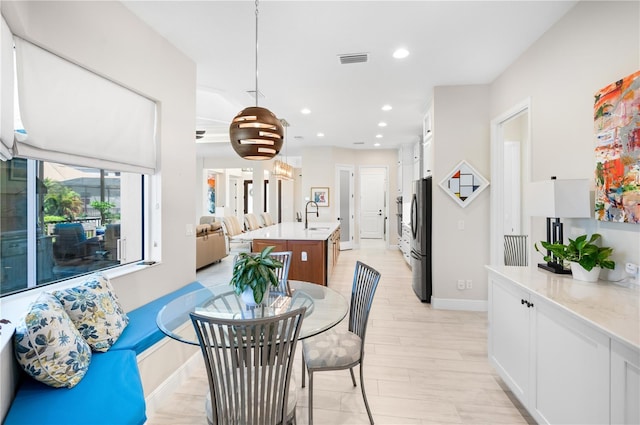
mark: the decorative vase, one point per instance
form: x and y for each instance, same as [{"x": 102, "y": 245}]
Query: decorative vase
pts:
[
  {"x": 580, "y": 273},
  {"x": 247, "y": 297}
]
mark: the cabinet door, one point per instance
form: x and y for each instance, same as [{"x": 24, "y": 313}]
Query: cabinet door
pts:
[
  {"x": 625, "y": 384},
  {"x": 259, "y": 244},
  {"x": 509, "y": 335},
  {"x": 572, "y": 369},
  {"x": 308, "y": 261}
]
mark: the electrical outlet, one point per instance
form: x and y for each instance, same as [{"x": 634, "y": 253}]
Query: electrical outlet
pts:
[
  {"x": 461, "y": 284},
  {"x": 303, "y": 256},
  {"x": 469, "y": 284},
  {"x": 189, "y": 230}
]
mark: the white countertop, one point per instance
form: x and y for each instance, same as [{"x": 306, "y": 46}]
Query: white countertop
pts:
[
  {"x": 317, "y": 231},
  {"x": 613, "y": 308}
]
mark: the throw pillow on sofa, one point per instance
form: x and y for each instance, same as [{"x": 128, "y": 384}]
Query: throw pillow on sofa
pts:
[
  {"x": 95, "y": 310},
  {"x": 48, "y": 346}
]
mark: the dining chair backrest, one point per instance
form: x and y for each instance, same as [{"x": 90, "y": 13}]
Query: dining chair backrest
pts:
[
  {"x": 251, "y": 222},
  {"x": 515, "y": 250},
  {"x": 266, "y": 219},
  {"x": 232, "y": 225},
  {"x": 365, "y": 283},
  {"x": 249, "y": 364},
  {"x": 282, "y": 273}
]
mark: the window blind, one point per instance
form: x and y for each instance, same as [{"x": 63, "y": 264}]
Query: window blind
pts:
[
  {"x": 72, "y": 115},
  {"x": 6, "y": 91}
]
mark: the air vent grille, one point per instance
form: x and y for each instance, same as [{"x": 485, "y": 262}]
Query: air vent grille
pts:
[{"x": 353, "y": 58}]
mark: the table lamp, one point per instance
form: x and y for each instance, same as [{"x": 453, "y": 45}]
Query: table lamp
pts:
[{"x": 553, "y": 199}]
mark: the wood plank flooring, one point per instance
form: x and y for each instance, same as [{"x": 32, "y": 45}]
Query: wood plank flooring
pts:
[{"x": 422, "y": 366}]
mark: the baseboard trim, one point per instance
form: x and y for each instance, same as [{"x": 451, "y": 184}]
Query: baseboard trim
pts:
[
  {"x": 158, "y": 397},
  {"x": 455, "y": 304}
]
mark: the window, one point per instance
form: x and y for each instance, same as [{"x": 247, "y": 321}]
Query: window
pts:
[{"x": 60, "y": 221}]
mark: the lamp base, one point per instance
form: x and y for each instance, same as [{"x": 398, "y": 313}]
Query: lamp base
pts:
[{"x": 554, "y": 268}]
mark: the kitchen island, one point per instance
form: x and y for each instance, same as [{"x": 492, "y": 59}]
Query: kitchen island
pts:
[{"x": 315, "y": 249}]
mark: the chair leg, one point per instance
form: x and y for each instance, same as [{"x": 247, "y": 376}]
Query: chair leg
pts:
[
  {"x": 364, "y": 396},
  {"x": 304, "y": 371},
  {"x": 353, "y": 378},
  {"x": 310, "y": 397}
]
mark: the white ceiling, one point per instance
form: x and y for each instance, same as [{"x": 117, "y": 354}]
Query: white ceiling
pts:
[{"x": 450, "y": 43}]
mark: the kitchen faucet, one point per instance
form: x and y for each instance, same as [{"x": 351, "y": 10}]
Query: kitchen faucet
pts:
[{"x": 306, "y": 213}]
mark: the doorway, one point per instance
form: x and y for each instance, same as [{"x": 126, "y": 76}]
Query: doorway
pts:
[
  {"x": 373, "y": 202},
  {"x": 510, "y": 170},
  {"x": 345, "y": 207}
]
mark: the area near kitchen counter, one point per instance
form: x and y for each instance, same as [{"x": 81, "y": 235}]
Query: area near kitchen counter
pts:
[
  {"x": 569, "y": 350},
  {"x": 315, "y": 249}
]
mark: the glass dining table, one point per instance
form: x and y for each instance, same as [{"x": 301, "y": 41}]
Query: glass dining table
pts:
[{"x": 325, "y": 308}]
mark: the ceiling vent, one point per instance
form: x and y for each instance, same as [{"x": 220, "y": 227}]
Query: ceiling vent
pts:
[
  {"x": 353, "y": 58},
  {"x": 358, "y": 143}
]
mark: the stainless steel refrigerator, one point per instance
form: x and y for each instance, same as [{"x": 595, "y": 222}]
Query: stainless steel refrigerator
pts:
[{"x": 421, "y": 238}]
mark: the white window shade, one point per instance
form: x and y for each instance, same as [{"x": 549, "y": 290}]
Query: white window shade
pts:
[
  {"x": 6, "y": 91},
  {"x": 72, "y": 115}
]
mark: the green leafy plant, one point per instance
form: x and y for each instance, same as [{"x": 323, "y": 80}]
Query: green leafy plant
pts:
[
  {"x": 582, "y": 251},
  {"x": 105, "y": 210},
  {"x": 255, "y": 271}
]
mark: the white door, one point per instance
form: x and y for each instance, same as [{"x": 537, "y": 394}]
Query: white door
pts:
[
  {"x": 345, "y": 207},
  {"x": 373, "y": 189},
  {"x": 512, "y": 218}
]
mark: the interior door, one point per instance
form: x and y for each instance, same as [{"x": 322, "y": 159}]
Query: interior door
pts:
[
  {"x": 345, "y": 207},
  {"x": 373, "y": 183}
]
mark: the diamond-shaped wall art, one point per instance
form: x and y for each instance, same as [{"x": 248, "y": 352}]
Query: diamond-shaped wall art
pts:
[{"x": 464, "y": 183}]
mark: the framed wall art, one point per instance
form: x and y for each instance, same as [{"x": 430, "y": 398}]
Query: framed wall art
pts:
[
  {"x": 320, "y": 195},
  {"x": 617, "y": 150},
  {"x": 464, "y": 183}
]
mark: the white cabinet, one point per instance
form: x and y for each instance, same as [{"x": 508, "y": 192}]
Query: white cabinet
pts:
[
  {"x": 405, "y": 243},
  {"x": 417, "y": 160},
  {"x": 510, "y": 336},
  {"x": 625, "y": 384},
  {"x": 427, "y": 145},
  {"x": 562, "y": 367}
]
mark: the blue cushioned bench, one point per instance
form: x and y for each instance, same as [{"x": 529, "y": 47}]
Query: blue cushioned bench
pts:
[{"x": 111, "y": 391}]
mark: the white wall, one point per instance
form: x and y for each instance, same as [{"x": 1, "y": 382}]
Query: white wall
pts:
[
  {"x": 460, "y": 131},
  {"x": 595, "y": 44},
  {"x": 106, "y": 38}
]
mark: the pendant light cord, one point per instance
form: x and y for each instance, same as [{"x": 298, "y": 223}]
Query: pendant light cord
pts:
[{"x": 257, "y": 92}]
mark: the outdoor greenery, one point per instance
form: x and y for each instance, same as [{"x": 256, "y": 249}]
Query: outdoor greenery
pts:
[
  {"x": 582, "y": 251},
  {"x": 61, "y": 201},
  {"x": 105, "y": 210},
  {"x": 255, "y": 271}
]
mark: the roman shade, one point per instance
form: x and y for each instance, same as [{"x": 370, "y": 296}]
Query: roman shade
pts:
[
  {"x": 72, "y": 115},
  {"x": 6, "y": 92}
]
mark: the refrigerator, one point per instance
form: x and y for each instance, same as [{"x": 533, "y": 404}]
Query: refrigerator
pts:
[{"x": 421, "y": 238}]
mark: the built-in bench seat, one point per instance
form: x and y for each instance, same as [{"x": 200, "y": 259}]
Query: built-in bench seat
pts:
[{"x": 111, "y": 392}]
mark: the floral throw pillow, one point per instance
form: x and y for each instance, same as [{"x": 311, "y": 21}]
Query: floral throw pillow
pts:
[
  {"x": 48, "y": 346},
  {"x": 94, "y": 309}
]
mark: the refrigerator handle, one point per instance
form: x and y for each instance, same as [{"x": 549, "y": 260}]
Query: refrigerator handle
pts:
[{"x": 414, "y": 216}]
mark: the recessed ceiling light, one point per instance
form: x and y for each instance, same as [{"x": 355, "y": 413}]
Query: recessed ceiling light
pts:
[
  {"x": 306, "y": 111},
  {"x": 387, "y": 108},
  {"x": 376, "y": 144},
  {"x": 320, "y": 134},
  {"x": 382, "y": 124},
  {"x": 378, "y": 136},
  {"x": 401, "y": 53}
]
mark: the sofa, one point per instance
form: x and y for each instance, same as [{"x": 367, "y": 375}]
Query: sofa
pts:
[{"x": 210, "y": 244}]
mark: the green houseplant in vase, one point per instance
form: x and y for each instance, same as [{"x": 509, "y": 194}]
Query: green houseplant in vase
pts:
[
  {"x": 585, "y": 257},
  {"x": 253, "y": 275}
]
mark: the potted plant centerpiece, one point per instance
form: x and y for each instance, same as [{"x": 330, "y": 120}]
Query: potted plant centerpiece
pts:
[
  {"x": 585, "y": 257},
  {"x": 253, "y": 275}
]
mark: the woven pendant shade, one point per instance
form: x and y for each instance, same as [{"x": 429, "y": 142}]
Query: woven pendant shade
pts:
[{"x": 256, "y": 133}]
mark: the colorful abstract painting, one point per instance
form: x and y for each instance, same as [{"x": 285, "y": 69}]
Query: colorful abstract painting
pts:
[
  {"x": 463, "y": 183},
  {"x": 211, "y": 192},
  {"x": 617, "y": 131}
]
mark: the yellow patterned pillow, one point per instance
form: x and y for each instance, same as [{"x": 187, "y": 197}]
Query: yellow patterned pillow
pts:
[
  {"x": 94, "y": 309},
  {"x": 48, "y": 346}
]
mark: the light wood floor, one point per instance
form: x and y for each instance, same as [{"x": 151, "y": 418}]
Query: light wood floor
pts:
[{"x": 422, "y": 366}]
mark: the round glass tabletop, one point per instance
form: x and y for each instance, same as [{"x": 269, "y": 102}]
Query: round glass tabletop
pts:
[{"x": 325, "y": 308}]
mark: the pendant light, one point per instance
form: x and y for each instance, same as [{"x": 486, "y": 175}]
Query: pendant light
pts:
[{"x": 256, "y": 133}]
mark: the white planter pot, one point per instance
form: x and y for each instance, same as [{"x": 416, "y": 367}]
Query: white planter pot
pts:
[
  {"x": 247, "y": 297},
  {"x": 579, "y": 273}
]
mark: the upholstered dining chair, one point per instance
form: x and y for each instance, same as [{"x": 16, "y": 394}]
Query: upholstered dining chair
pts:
[
  {"x": 266, "y": 219},
  {"x": 343, "y": 349},
  {"x": 232, "y": 227},
  {"x": 251, "y": 222},
  {"x": 515, "y": 250},
  {"x": 249, "y": 365}
]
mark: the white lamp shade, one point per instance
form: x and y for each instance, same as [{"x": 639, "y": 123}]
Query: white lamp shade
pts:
[{"x": 568, "y": 198}]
